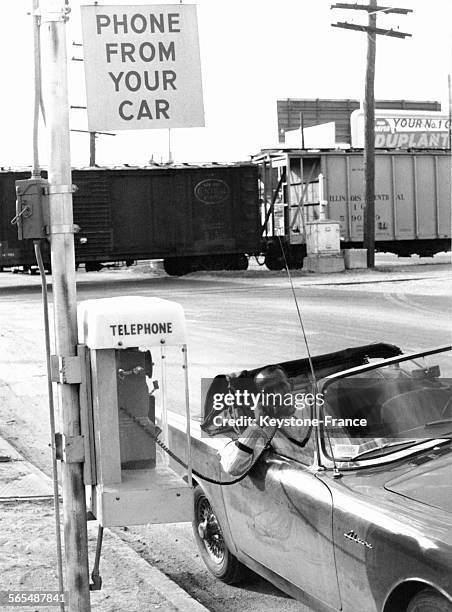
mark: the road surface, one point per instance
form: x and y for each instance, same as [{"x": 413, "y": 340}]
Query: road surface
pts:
[{"x": 233, "y": 323}]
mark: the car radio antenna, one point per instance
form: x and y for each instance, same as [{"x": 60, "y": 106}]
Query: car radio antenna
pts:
[
  {"x": 336, "y": 472},
  {"x": 300, "y": 318}
]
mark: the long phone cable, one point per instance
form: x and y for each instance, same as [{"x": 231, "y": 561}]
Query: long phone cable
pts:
[
  {"x": 149, "y": 430},
  {"x": 56, "y": 493}
]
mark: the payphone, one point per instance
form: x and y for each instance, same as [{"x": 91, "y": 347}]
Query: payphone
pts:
[{"x": 135, "y": 354}]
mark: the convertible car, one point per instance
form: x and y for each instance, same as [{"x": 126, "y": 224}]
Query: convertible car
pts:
[{"x": 350, "y": 506}]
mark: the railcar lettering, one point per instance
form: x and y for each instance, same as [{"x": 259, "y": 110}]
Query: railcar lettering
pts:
[{"x": 136, "y": 329}]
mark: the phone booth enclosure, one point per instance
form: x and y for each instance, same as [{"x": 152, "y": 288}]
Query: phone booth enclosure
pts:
[{"x": 138, "y": 372}]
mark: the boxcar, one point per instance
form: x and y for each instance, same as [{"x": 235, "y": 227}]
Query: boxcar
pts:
[
  {"x": 192, "y": 217},
  {"x": 412, "y": 199}
]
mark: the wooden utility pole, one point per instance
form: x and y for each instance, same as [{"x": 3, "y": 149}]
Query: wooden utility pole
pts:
[
  {"x": 92, "y": 135},
  {"x": 61, "y": 233},
  {"x": 369, "y": 140},
  {"x": 92, "y": 140},
  {"x": 369, "y": 109}
]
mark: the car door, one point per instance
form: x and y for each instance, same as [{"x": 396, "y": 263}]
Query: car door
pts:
[{"x": 281, "y": 516}]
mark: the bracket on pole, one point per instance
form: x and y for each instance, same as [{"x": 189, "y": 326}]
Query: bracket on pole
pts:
[
  {"x": 66, "y": 369},
  {"x": 55, "y": 189},
  {"x": 70, "y": 449},
  {"x": 55, "y": 14},
  {"x": 62, "y": 229}
]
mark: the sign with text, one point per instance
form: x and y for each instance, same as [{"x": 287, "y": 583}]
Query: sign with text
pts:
[
  {"x": 403, "y": 129},
  {"x": 142, "y": 67}
]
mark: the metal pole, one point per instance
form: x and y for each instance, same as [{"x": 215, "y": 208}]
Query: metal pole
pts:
[
  {"x": 302, "y": 129},
  {"x": 164, "y": 415},
  {"x": 37, "y": 78},
  {"x": 170, "y": 155},
  {"x": 369, "y": 142},
  {"x": 449, "y": 88},
  {"x": 64, "y": 295},
  {"x": 92, "y": 148},
  {"x": 187, "y": 416}
]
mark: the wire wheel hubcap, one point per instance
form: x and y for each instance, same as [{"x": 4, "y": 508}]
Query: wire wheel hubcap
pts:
[{"x": 209, "y": 531}]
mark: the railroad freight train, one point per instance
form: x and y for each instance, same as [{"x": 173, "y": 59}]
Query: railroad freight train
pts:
[
  {"x": 216, "y": 216},
  {"x": 412, "y": 199},
  {"x": 192, "y": 217}
]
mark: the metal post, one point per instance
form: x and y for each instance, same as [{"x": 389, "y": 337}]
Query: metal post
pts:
[
  {"x": 322, "y": 201},
  {"x": 164, "y": 436},
  {"x": 54, "y": 15},
  {"x": 187, "y": 416},
  {"x": 449, "y": 89},
  {"x": 369, "y": 141},
  {"x": 170, "y": 155},
  {"x": 92, "y": 148}
]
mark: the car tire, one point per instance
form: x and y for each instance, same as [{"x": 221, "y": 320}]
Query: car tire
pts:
[
  {"x": 429, "y": 600},
  {"x": 213, "y": 549}
]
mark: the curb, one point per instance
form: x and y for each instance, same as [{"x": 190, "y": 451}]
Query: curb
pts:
[
  {"x": 144, "y": 573},
  {"x": 167, "y": 588}
]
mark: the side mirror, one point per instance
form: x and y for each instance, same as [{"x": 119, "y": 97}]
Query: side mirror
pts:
[{"x": 431, "y": 372}]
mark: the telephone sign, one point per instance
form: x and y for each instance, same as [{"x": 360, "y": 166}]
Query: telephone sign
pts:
[{"x": 142, "y": 67}]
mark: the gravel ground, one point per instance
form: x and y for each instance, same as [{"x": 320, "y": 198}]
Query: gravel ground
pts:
[{"x": 28, "y": 562}]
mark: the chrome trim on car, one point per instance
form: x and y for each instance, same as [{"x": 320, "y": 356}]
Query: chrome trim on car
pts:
[
  {"x": 323, "y": 458},
  {"x": 394, "y": 456},
  {"x": 354, "y": 537},
  {"x": 325, "y": 382}
]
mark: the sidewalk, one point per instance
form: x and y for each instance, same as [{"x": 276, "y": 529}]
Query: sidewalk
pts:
[{"x": 28, "y": 550}]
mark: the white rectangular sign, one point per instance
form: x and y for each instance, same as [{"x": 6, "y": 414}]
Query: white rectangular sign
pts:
[
  {"x": 142, "y": 67},
  {"x": 403, "y": 129}
]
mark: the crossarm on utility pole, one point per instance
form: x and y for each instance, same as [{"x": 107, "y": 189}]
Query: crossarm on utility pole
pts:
[
  {"x": 361, "y": 28},
  {"x": 367, "y": 7}
]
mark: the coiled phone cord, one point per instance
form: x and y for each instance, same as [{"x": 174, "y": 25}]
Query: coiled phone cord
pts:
[{"x": 150, "y": 431}]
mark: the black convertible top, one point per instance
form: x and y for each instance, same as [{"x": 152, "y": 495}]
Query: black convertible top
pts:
[{"x": 324, "y": 365}]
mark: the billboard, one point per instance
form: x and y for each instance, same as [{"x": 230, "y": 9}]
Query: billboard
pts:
[
  {"x": 293, "y": 111},
  {"x": 403, "y": 129}
]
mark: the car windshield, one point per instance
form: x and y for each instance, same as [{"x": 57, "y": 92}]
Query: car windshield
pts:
[{"x": 380, "y": 411}]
